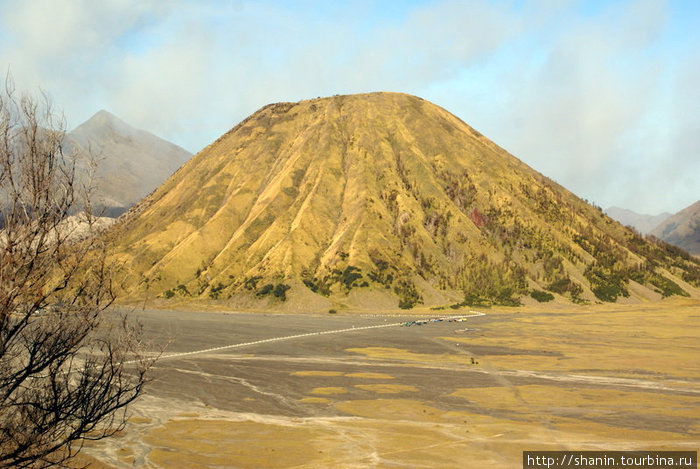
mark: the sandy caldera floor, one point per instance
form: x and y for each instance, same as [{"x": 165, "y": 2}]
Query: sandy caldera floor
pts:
[{"x": 445, "y": 394}]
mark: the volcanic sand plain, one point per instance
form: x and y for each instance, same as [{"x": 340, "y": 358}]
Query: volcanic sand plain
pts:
[{"x": 444, "y": 394}]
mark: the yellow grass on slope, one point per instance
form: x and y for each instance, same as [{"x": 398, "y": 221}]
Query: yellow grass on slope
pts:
[{"x": 380, "y": 193}]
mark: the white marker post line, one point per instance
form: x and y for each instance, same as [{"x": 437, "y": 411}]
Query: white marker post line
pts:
[{"x": 298, "y": 336}]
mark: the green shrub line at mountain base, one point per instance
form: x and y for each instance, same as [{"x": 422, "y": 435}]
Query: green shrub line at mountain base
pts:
[
  {"x": 541, "y": 296},
  {"x": 408, "y": 294},
  {"x": 606, "y": 285},
  {"x": 563, "y": 285},
  {"x": 279, "y": 291},
  {"x": 667, "y": 287},
  {"x": 485, "y": 284},
  {"x": 215, "y": 291},
  {"x": 493, "y": 283}
]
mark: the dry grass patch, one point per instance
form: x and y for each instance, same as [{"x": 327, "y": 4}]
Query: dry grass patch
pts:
[
  {"x": 317, "y": 373},
  {"x": 651, "y": 342},
  {"x": 390, "y": 353},
  {"x": 83, "y": 460},
  {"x": 541, "y": 398},
  {"x": 315, "y": 400},
  {"x": 369, "y": 375},
  {"x": 140, "y": 420},
  {"x": 328, "y": 391},
  {"x": 334, "y": 443},
  {"x": 385, "y": 388},
  {"x": 391, "y": 409},
  {"x": 212, "y": 443}
]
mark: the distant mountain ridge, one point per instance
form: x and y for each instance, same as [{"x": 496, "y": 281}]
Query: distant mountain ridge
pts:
[
  {"x": 131, "y": 162},
  {"x": 643, "y": 223},
  {"x": 682, "y": 229},
  {"x": 379, "y": 199}
]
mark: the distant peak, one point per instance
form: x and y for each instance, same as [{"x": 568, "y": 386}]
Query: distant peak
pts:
[
  {"x": 104, "y": 116},
  {"x": 104, "y": 119},
  {"x": 103, "y": 113}
]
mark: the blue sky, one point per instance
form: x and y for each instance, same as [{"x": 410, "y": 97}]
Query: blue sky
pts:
[{"x": 601, "y": 96}]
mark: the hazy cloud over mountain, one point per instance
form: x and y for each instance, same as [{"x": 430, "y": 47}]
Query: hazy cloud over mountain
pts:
[{"x": 601, "y": 96}]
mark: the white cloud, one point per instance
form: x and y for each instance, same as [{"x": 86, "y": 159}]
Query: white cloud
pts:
[
  {"x": 71, "y": 48},
  {"x": 587, "y": 106},
  {"x": 581, "y": 96},
  {"x": 214, "y": 67}
]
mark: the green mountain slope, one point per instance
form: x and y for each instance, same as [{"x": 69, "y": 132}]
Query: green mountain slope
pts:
[{"x": 380, "y": 193}]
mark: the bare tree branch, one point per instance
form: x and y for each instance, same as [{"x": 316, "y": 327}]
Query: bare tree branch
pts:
[{"x": 67, "y": 372}]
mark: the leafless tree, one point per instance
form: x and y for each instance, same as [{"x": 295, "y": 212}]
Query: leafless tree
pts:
[{"x": 67, "y": 369}]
